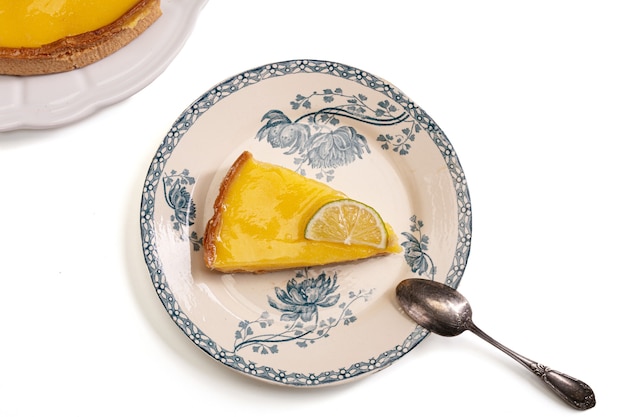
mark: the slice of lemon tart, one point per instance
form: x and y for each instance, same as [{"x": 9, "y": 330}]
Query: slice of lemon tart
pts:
[
  {"x": 51, "y": 36},
  {"x": 267, "y": 217}
]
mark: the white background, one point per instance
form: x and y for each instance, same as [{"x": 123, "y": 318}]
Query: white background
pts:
[{"x": 532, "y": 96}]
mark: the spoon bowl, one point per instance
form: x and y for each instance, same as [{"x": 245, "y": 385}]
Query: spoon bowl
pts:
[
  {"x": 441, "y": 309},
  {"x": 444, "y": 311}
]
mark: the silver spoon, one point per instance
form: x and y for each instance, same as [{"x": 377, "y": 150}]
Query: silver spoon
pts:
[{"x": 444, "y": 311}]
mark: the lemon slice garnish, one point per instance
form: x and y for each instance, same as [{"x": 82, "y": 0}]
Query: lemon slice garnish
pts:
[{"x": 349, "y": 222}]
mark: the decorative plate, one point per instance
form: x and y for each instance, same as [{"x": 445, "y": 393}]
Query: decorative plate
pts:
[
  {"x": 44, "y": 101},
  {"x": 339, "y": 125}
]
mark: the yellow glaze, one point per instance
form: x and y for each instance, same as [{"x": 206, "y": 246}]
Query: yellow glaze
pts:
[
  {"x": 33, "y": 23},
  {"x": 264, "y": 216}
]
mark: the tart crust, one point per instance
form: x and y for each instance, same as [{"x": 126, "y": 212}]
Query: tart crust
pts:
[
  {"x": 81, "y": 50},
  {"x": 215, "y": 223}
]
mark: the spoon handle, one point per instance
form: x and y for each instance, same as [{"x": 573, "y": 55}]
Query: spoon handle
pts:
[{"x": 575, "y": 392}]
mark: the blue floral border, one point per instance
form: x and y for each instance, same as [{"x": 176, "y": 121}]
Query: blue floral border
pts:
[{"x": 156, "y": 173}]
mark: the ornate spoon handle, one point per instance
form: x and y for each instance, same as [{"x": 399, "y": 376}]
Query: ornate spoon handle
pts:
[{"x": 573, "y": 391}]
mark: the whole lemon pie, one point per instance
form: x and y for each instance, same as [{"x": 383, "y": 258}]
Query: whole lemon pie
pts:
[
  {"x": 50, "y": 36},
  {"x": 267, "y": 217}
]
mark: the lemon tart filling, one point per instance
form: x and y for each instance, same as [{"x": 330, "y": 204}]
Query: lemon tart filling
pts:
[
  {"x": 33, "y": 23},
  {"x": 260, "y": 218}
]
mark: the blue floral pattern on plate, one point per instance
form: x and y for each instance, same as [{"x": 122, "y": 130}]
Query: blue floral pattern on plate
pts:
[
  {"x": 302, "y": 303},
  {"x": 323, "y": 133},
  {"x": 178, "y": 198},
  {"x": 321, "y": 142}
]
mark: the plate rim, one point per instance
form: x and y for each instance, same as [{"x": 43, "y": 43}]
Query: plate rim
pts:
[{"x": 186, "y": 120}]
